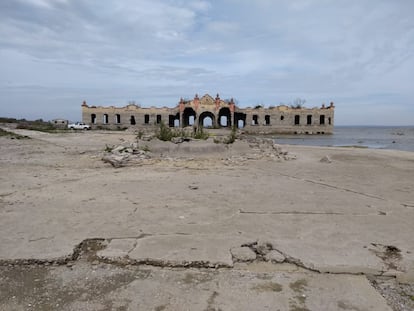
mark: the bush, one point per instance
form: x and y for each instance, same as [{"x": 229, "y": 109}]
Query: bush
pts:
[
  {"x": 37, "y": 125},
  {"x": 165, "y": 133},
  {"x": 12, "y": 135},
  {"x": 233, "y": 135},
  {"x": 200, "y": 134}
]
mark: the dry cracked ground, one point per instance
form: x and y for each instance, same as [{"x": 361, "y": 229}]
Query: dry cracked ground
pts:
[{"x": 202, "y": 226}]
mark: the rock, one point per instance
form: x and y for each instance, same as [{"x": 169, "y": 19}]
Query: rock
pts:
[
  {"x": 275, "y": 256},
  {"x": 146, "y": 137},
  {"x": 263, "y": 247},
  {"x": 326, "y": 159},
  {"x": 277, "y": 148},
  {"x": 177, "y": 140},
  {"x": 118, "y": 149},
  {"x": 115, "y": 160},
  {"x": 243, "y": 254}
]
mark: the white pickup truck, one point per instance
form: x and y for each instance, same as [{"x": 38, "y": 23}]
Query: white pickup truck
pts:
[{"x": 79, "y": 126}]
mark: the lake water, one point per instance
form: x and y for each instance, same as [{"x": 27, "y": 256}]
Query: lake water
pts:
[{"x": 378, "y": 137}]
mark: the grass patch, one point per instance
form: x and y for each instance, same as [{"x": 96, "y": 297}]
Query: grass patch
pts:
[
  {"x": 11, "y": 135},
  {"x": 36, "y": 125},
  {"x": 165, "y": 133},
  {"x": 200, "y": 133}
]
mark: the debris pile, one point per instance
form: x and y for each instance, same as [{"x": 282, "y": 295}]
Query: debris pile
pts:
[
  {"x": 125, "y": 154},
  {"x": 266, "y": 147},
  {"x": 260, "y": 148}
]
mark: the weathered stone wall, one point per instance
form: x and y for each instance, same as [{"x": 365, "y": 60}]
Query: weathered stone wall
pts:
[{"x": 280, "y": 119}]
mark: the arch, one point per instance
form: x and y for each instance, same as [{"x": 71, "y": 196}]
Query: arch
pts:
[
  {"x": 132, "y": 120},
  {"x": 174, "y": 120},
  {"x": 105, "y": 118},
  {"x": 297, "y": 119},
  {"x": 189, "y": 116},
  {"x": 322, "y": 119},
  {"x": 206, "y": 115},
  {"x": 240, "y": 119},
  {"x": 224, "y": 117},
  {"x": 117, "y": 118},
  {"x": 255, "y": 119}
]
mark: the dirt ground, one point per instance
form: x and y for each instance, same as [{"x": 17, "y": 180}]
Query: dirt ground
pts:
[{"x": 106, "y": 221}]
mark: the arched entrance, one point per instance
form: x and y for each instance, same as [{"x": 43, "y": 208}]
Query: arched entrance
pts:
[
  {"x": 224, "y": 118},
  {"x": 240, "y": 119},
  {"x": 174, "y": 120},
  {"x": 189, "y": 116},
  {"x": 132, "y": 120},
  {"x": 206, "y": 119}
]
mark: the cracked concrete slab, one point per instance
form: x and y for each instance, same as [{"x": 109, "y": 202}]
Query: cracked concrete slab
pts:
[
  {"x": 118, "y": 248},
  {"x": 109, "y": 287},
  {"x": 55, "y": 192},
  {"x": 182, "y": 250}
]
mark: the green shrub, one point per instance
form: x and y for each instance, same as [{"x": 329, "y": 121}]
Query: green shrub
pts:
[
  {"x": 164, "y": 133},
  {"x": 232, "y": 136},
  {"x": 200, "y": 134},
  {"x": 12, "y": 135}
]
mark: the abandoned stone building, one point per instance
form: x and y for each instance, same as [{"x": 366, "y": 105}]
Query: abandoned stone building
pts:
[{"x": 215, "y": 113}]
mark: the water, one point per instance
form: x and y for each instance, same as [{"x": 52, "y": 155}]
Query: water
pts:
[{"x": 377, "y": 137}]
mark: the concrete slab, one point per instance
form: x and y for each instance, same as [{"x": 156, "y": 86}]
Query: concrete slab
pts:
[
  {"x": 353, "y": 215},
  {"x": 183, "y": 250},
  {"x": 107, "y": 287},
  {"x": 117, "y": 249}
]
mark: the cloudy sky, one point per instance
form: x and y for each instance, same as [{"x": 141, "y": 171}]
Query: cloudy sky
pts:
[{"x": 359, "y": 54}]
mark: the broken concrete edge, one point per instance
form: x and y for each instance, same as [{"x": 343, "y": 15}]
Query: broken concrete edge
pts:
[
  {"x": 90, "y": 247},
  {"x": 199, "y": 264}
]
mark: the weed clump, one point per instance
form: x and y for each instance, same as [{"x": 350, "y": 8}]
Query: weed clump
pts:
[{"x": 165, "y": 133}]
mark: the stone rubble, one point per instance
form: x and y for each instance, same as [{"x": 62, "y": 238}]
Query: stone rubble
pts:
[{"x": 128, "y": 153}]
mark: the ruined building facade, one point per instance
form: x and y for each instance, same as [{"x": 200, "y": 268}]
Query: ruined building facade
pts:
[{"x": 217, "y": 113}]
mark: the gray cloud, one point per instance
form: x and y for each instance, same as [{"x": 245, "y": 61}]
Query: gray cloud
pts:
[{"x": 159, "y": 50}]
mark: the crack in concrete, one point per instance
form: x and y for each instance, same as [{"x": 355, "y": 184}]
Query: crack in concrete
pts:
[
  {"x": 133, "y": 247},
  {"x": 389, "y": 254},
  {"x": 334, "y": 187},
  {"x": 262, "y": 249},
  {"x": 3, "y": 195},
  {"x": 41, "y": 238},
  {"x": 379, "y": 213},
  {"x": 88, "y": 248},
  {"x": 141, "y": 236}
]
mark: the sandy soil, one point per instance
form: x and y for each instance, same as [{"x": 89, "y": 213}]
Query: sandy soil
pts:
[{"x": 213, "y": 226}]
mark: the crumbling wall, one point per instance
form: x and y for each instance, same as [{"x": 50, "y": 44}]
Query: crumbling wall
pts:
[{"x": 258, "y": 120}]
